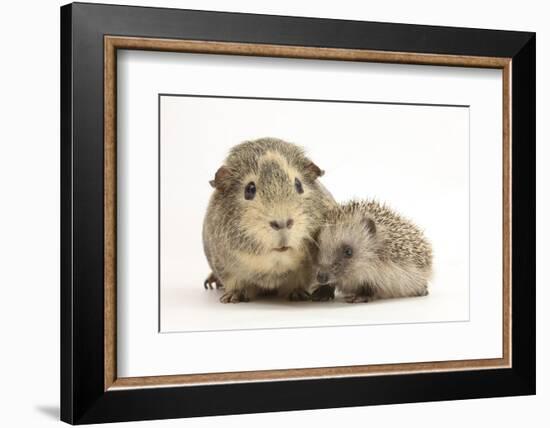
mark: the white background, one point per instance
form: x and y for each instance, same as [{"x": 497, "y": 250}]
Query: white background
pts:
[
  {"x": 29, "y": 232},
  {"x": 420, "y": 135},
  {"x": 415, "y": 158}
]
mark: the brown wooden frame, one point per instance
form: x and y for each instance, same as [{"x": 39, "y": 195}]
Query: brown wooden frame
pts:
[{"x": 113, "y": 43}]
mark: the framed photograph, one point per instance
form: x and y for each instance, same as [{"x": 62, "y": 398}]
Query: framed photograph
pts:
[{"x": 266, "y": 213}]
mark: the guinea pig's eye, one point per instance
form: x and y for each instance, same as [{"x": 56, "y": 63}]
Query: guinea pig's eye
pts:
[
  {"x": 250, "y": 191},
  {"x": 348, "y": 251},
  {"x": 298, "y": 186}
]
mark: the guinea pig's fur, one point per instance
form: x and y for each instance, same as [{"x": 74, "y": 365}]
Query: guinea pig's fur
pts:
[
  {"x": 265, "y": 244},
  {"x": 367, "y": 251}
]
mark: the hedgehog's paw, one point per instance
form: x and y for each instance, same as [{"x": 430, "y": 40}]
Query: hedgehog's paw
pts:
[
  {"x": 358, "y": 298},
  {"x": 234, "y": 296},
  {"x": 323, "y": 293},
  {"x": 299, "y": 295},
  {"x": 212, "y": 279},
  {"x": 423, "y": 292}
]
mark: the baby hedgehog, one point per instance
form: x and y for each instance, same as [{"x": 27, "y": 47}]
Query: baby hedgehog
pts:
[{"x": 368, "y": 252}]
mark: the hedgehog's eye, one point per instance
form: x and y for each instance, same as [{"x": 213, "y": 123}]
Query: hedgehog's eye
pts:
[
  {"x": 298, "y": 186},
  {"x": 250, "y": 191},
  {"x": 348, "y": 251}
]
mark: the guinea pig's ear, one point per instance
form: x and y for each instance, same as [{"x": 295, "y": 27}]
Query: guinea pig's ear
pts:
[
  {"x": 221, "y": 179},
  {"x": 369, "y": 225},
  {"x": 313, "y": 171}
]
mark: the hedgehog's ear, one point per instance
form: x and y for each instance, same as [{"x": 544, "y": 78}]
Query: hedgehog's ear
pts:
[
  {"x": 370, "y": 225},
  {"x": 313, "y": 171},
  {"x": 221, "y": 179}
]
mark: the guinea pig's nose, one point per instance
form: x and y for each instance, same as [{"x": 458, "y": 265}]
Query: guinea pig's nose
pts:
[
  {"x": 277, "y": 225},
  {"x": 322, "y": 277}
]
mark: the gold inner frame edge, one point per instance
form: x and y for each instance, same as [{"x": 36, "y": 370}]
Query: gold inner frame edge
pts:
[{"x": 113, "y": 43}]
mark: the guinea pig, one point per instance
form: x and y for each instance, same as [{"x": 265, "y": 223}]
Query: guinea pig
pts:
[
  {"x": 367, "y": 251},
  {"x": 260, "y": 225}
]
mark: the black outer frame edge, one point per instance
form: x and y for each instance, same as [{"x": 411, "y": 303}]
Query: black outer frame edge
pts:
[
  {"x": 66, "y": 305},
  {"x": 82, "y": 397},
  {"x": 524, "y": 213},
  {"x": 169, "y": 403},
  {"x": 300, "y": 31}
]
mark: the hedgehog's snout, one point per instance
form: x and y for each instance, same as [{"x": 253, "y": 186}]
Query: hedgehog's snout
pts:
[
  {"x": 322, "y": 277},
  {"x": 324, "y": 274}
]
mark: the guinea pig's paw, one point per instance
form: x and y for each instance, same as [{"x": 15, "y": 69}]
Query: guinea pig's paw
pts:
[
  {"x": 267, "y": 292},
  {"x": 358, "y": 298},
  {"x": 212, "y": 279},
  {"x": 299, "y": 295},
  {"x": 234, "y": 296},
  {"x": 323, "y": 293}
]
